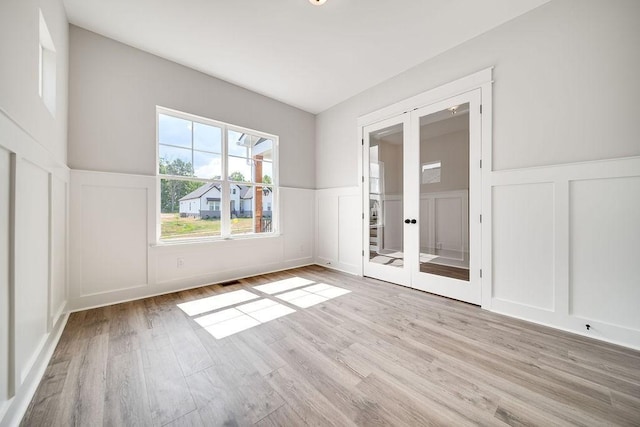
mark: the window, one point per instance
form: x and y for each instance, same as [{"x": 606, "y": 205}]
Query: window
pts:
[
  {"x": 47, "y": 67},
  {"x": 431, "y": 172},
  {"x": 216, "y": 180}
]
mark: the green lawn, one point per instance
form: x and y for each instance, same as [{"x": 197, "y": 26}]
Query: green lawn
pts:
[{"x": 175, "y": 227}]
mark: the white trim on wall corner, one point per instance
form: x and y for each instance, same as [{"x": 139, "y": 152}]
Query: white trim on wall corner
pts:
[{"x": 15, "y": 408}]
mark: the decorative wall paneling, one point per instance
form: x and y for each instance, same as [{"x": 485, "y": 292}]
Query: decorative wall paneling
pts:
[
  {"x": 116, "y": 256},
  {"x": 565, "y": 243},
  {"x": 33, "y": 263},
  {"x": 339, "y": 229}
]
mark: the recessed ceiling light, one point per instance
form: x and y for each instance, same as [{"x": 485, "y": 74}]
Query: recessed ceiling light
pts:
[{"x": 317, "y": 2}]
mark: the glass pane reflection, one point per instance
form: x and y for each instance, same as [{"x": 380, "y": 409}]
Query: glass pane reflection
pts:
[
  {"x": 444, "y": 193},
  {"x": 386, "y": 196}
]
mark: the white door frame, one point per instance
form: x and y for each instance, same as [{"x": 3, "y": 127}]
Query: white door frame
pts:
[
  {"x": 468, "y": 291},
  {"x": 480, "y": 80}
]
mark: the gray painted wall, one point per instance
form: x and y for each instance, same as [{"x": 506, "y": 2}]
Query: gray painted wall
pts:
[
  {"x": 566, "y": 89},
  {"x": 19, "y": 75},
  {"x": 115, "y": 89}
]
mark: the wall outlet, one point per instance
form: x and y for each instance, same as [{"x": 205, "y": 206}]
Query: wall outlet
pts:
[
  {"x": 180, "y": 262},
  {"x": 439, "y": 245},
  {"x": 301, "y": 248}
]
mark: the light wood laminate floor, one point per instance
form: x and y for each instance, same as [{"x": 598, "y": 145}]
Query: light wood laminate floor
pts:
[{"x": 379, "y": 355}]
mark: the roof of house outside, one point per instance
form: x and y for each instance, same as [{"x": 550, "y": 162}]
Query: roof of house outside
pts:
[
  {"x": 200, "y": 191},
  {"x": 245, "y": 191}
]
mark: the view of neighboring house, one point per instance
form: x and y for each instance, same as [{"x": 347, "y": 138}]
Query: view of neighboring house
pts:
[{"x": 204, "y": 202}]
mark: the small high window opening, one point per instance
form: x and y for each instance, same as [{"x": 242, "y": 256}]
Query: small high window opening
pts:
[{"x": 47, "y": 67}]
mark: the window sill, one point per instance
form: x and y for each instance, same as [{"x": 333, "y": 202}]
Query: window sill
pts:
[{"x": 213, "y": 240}]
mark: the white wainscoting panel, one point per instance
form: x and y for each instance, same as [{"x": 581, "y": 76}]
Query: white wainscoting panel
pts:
[
  {"x": 339, "y": 229},
  {"x": 349, "y": 223},
  {"x": 444, "y": 218},
  {"x": 31, "y": 264},
  {"x": 297, "y": 217},
  {"x": 327, "y": 216},
  {"x": 523, "y": 244},
  {"x": 109, "y": 234},
  {"x": 122, "y": 261},
  {"x": 114, "y": 238},
  {"x": 58, "y": 292},
  {"x": 605, "y": 250},
  {"x": 5, "y": 211},
  {"x": 449, "y": 224},
  {"x": 565, "y": 245}
]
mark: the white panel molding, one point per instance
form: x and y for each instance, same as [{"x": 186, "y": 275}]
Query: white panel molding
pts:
[
  {"x": 32, "y": 261},
  {"x": 6, "y": 244},
  {"x": 12, "y": 412},
  {"x": 83, "y": 182},
  {"x": 523, "y": 245},
  {"x": 561, "y": 178},
  {"x": 429, "y": 202},
  {"x": 202, "y": 262},
  {"x": 59, "y": 270},
  {"x": 605, "y": 240},
  {"x": 18, "y": 140},
  {"x": 296, "y": 221},
  {"x": 27, "y": 155},
  {"x": 339, "y": 229}
]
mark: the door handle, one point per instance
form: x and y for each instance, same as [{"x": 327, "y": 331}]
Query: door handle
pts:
[
  {"x": 407, "y": 221},
  {"x": 413, "y": 221}
]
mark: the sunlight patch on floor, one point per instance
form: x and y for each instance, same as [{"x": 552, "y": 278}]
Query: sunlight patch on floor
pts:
[
  {"x": 216, "y": 302},
  {"x": 283, "y": 285},
  {"x": 312, "y": 295},
  {"x": 217, "y": 317}
]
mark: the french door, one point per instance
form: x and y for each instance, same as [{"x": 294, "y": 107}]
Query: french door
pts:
[{"x": 422, "y": 198}]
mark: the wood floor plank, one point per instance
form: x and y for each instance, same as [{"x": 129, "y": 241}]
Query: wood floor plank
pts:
[
  {"x": 379, "y": 355},
  {"x": 191, "y": 354},
  {"x": 305, "y": 400},
  {"x": 48, "y": 395},
  {"x": 126, "y": 399},
  {"x": 192, "y": 419},
  {"x": 82, "y": 397},
  {"x": 441, "y": 390},
  {"x": 405, "y": 408},
  {"x": 169, "y": 395},
  {"x": 335, "y": 381},
  {"x": 283, "y": 416},
  {"x": 70, "y": 343}
]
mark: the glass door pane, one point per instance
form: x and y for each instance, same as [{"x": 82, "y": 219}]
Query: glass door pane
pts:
[
  {"x": 444, "y": 192},
  {"x": 384, "y": 202},
  {"x": 386, "y": 196}
]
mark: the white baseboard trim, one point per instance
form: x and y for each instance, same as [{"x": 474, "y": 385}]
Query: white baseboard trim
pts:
[
  {"x": 200, "y": 281},
  {"x": 614, "y": 335},
  {"x": 17, "y": 406},
  {"x": 343, "y": 268}
]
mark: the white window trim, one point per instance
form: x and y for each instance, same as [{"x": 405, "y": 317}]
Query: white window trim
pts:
[{"x": 225, "y": 209}]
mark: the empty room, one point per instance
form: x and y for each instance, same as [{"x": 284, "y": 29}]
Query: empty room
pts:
[{"x": 319, "y": 212}]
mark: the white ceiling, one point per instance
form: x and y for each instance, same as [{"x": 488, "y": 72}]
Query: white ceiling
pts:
[{"x": 311, "y": 57}]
